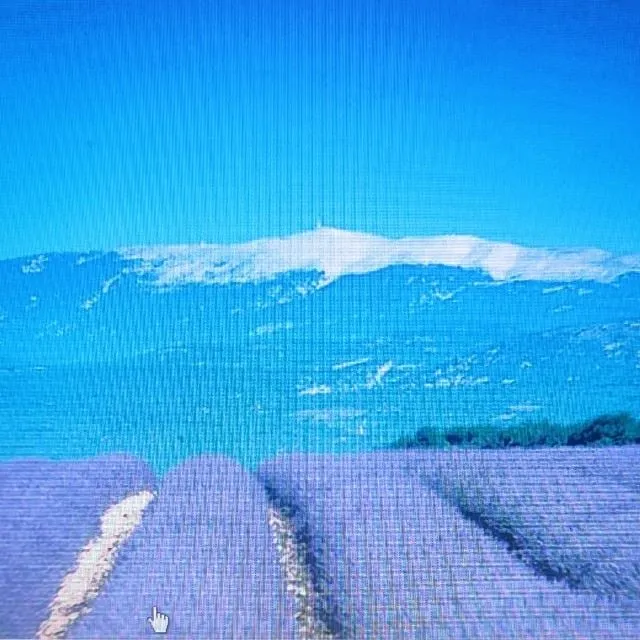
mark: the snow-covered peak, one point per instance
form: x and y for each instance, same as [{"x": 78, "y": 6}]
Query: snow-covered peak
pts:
[{"x": 336, "y": 252}]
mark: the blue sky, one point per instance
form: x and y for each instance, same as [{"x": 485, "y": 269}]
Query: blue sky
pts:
[{"x": 130, "y": 122}]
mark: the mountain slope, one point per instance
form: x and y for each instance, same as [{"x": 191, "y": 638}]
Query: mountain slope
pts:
[{"x": 328, "y": 332}]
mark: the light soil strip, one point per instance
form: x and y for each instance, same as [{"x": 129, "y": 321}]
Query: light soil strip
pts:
[
  {"x": 96, "y": 560},
  {"x": 297, "y": 577}
]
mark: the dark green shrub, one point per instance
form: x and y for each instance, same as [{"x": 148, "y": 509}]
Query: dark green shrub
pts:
[
  {"x": 422, "y": 437},
  {"x": 454, "y": 438},
  {"x": 614, "y": 429},
  {"x": 607, "y": 429}
]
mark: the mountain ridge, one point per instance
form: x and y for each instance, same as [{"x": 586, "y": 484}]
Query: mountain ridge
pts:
[{"x": 335, "y": 253}]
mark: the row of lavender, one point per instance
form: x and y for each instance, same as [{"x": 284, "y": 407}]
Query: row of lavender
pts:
[{"x": 469, "y": 543}]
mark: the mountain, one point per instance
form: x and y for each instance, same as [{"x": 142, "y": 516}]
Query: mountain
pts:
[{"x": 359, "y": 336}]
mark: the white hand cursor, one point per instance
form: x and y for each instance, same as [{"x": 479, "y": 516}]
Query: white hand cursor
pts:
[{"x": 158, "y": 621}]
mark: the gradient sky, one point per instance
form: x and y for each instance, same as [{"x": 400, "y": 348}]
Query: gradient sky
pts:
[{"x": 133, "y": 122}]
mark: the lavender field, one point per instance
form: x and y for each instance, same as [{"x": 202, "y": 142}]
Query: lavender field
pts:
[
  {"x": 320, "y": 320},
  {"x": 444, "y": 544}
]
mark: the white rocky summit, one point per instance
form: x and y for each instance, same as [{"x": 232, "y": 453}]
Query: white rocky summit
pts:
[{"x": 336, "y": 252}]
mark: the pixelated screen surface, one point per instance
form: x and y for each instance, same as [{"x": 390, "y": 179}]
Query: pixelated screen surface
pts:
[{"x": 320, "y": 320}]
